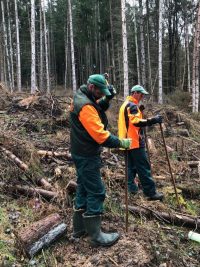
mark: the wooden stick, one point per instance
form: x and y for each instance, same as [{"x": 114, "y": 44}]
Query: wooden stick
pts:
[
  {"x": 170, "y": 170},
  {"x": 126, "y": 187}
]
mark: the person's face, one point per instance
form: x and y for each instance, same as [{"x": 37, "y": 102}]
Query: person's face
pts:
[
  {"x": 96, "y": 91},
  {"x": 138, "y": 96}
]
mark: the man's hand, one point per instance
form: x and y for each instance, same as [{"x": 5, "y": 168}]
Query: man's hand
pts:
[
  {"x": 125, "y": 143},
  {"x": 141, "y": 108},
  {"x": 112, "y": 91},
  {"x": 154, "y": 120}
]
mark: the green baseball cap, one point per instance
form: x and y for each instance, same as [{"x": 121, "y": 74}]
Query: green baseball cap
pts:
[
  {"x": 139, "y": 88},
  {"x": 100, "y": 82}
]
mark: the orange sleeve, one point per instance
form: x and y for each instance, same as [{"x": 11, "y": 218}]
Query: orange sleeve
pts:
[
  {"x": 91, "y": 121},
  {"x": 134, "y": 118}
]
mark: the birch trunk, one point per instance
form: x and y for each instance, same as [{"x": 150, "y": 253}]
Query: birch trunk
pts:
[
  {"x": 19, "y": 85},
  {"x": 125, "y": 50},
  {"x": 1, "y": 61},
  {"x": 160, "y": 92},
  {"x": 6, "y": 46},
  {"x": 195, "y": 78},
  {"x": 46, "y": 48},
  {"x": 11, "y": 48},
  {"x": 33, "y": 61},
  {"x": 143, "y": 63},
  {"x": 72, "y": 47},
  {"x": 136, "y": 44}
]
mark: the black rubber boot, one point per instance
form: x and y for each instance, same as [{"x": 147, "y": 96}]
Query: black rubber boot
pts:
[
  {"x": 97, "y": 237},
  {"x": 78, "y": 224},
  {"x": 157, "y": 196}
]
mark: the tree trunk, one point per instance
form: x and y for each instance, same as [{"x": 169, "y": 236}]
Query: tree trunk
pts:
[
  {"x": 112, "y": 44},
  {"x": 46, "y": 48},
  {"x": 143, "y": 62},
  {"x": 195, "y": 78},
  {"x": 136, "y": 44},
  {"x": 6, "y": 46},
  {"x": 41, "y": 51},
  {"x": 11, "y": 47},
  {"x": 33, "y": 60},
  {"x": 19, "y": 86},
  {"x": 66, "y": 52},
  {"x": 125, "y": 50},
  {"x": 160, "y": 93},
  {"x": 72, "y": 47}
]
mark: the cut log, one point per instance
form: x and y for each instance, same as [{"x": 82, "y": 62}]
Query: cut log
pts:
[
  {"x": 28, "y": 191},
  {"x": 43, "y": 182},
  {"x": 46, "y": 153},
  {"x": 18, "y": 162},
  {"x": 40, "y": 234},
  {"x": 171, "y": 218}
]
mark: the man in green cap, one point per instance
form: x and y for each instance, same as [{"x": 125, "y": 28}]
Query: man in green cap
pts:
[
  {"x": 88, "y": 134},
  {"x": 130, "y": 125}
]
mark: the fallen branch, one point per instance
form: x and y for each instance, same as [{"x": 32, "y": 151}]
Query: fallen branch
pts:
[
  {"x": 173, "y": 218},
  {"x": 40, "y": 234},
  {"x": 18, "y": 162},
  {"x": 28, "y": 191},
  {"x": 23, "y": 166}
]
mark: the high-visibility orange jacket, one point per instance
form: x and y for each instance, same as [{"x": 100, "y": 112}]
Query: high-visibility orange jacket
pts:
[
  {"x": 129, "y": 118},
  {"x": 88, "y": 123}
]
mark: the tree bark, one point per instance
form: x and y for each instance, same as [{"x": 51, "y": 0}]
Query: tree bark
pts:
[
  {"x": 40, "y": 234},
  {"x": 46, "y": 48},
  {"x": 19, "y": 86},
  {"x": 72, "y": 47},
  {"x": 33, "y": 59},
  {"x": 125, "y": 49},
  {"x": 160, "y": 94},
  {"x": 6, "y": 46}
]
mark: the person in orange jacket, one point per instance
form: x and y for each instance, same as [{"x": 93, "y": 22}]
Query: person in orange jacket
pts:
[
  {"x": 130, "y": 125},
  {"x": 88, "y": 134}
]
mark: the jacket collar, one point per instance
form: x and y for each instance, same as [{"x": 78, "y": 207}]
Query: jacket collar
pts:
[
  {"x": 85, "y": 91},
  {"x": 132, "y": 99}
]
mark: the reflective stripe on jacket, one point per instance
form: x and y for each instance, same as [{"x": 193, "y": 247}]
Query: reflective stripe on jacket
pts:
[{"x": 129, "y": 115}]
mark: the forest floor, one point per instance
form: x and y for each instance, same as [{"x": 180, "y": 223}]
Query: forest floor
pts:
[{"x": 41, "y": 123}]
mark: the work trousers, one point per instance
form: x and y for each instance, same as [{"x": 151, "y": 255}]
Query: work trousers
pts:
[
  {"x": 90, "y": 193},
  {"x": 139, "y": 164}
]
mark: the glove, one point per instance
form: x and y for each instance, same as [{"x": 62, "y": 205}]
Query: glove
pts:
[
  {"x": 125, "y": 143},
  {"x": 154, "y": 120},
  {"x": 141, "y": 108},
  {"x": 112, "y": 91}
]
